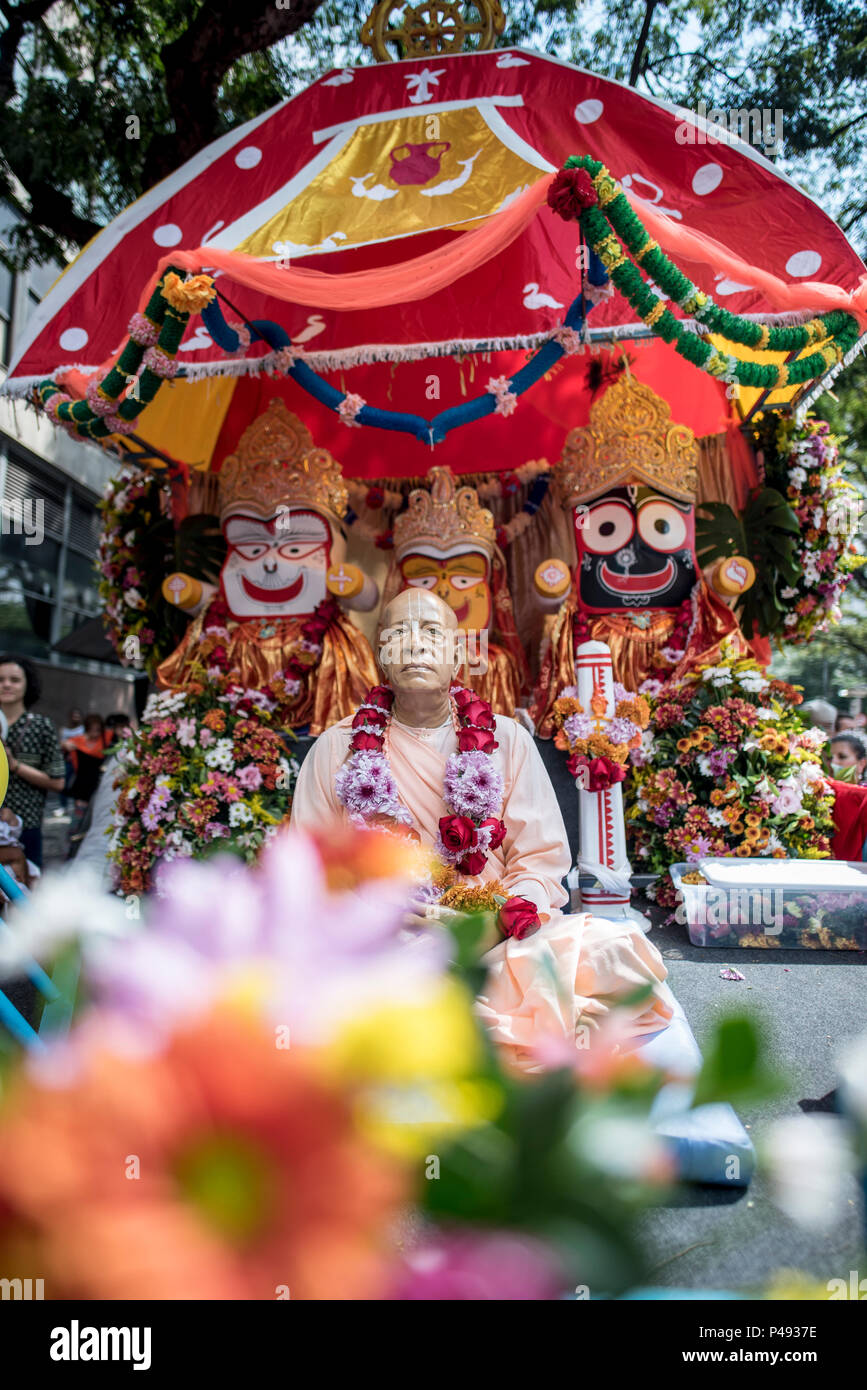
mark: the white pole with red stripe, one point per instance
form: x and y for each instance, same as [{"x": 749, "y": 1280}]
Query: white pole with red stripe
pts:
[{"x": 604, "y": 870}]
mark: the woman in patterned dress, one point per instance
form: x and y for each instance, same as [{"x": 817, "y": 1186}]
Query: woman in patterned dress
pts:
[{"x": 33, "y": 750}]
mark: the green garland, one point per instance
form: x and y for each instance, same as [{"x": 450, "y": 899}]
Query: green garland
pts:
[
  {"x": 611, "y": 224},
  {"x": 162, "y": 314}
]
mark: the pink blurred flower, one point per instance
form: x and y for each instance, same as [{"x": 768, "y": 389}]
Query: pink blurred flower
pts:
[{"x": 497, "y": 1266}]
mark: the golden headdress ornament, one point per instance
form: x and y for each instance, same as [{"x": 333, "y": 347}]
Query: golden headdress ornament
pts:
[
  {"x": 443, "y": 515},
  {"x": 276, "y": 461},
  {"x": 630, "y": 439}
]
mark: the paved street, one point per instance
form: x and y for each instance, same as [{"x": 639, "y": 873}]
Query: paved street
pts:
[{"x": 811, "y": 1003}]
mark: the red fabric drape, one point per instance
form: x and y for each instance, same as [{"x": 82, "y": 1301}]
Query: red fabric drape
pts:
[{"x": 850, "y": 820}]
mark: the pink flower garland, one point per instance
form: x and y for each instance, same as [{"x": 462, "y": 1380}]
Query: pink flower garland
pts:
[
  {"x": 472, "y": 785},
  {"x": 349, "y": 408},
  {"x": 507, "y": 401}
]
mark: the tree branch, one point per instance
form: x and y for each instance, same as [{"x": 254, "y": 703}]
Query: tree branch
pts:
[
  {"x": 17, "y": 18},
  {"x": 644, "y": 34},
  {"x": 220, "y": 34}
]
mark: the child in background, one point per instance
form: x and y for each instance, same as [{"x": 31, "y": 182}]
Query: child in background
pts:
[{"x": 86, "y": 752}]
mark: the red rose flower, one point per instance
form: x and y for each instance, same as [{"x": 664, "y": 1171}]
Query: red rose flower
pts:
[
  {"x": 219, "y": 657},
  {"x": 478, "y": 712},
  {"x": 457, "y": 833},
  {"x": 370, "y": 716},
  {"x": 498, "y": 831},
  {"x": 472, "y": 740},
  {"x": 473, "y": 863},
  {"x": 375, "y": 498},
  {"x": 381, "y": 696},
  {"x": 314, "y": 629},
  {"x": 595, "y": 774},
  {"x": 463, "y": 697},
  {"x": 570, "y": 193},
  {"x": 519, "y": 917},
  {"x": 366, "y": 743}
]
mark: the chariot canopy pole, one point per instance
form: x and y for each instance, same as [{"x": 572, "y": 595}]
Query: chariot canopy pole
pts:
[{"x": 603, "y": 870}]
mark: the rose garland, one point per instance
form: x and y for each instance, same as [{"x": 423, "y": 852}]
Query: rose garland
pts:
[
  {"x": 146, "y": 361},
  {"x": 802, "y": 461},
  {"x": 472, "y": 791},
  {"x": 585, "y": 191}
]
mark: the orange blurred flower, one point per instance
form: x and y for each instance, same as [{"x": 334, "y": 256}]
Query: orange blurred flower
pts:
[
  {"x": 222, "y": 1168},
  {"x": 350, "y": 856}
]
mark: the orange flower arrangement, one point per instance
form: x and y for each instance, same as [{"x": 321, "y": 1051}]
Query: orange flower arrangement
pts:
[
  {"x": 637, "y": 709},
  {"x": 223, "y": 1168}
]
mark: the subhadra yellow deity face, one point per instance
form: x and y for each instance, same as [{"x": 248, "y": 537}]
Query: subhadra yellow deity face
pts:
[{"x": 461, "y": 580}]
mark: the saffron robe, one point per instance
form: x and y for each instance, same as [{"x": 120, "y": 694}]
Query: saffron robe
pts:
[{"x": 576, "y": 967}]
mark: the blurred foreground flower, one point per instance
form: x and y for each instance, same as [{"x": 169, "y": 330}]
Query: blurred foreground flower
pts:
[
  {"x": 480, "y": 1266},
  {"x": 314, "y": 956},
  {"x": 64, "y": 907},
  {"x": 222, "y": 1168},
  {"x": 795, "y": 1285},
  {"x": 809, "y": 1157}
]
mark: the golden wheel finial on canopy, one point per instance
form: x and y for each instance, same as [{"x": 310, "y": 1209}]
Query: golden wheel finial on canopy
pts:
[{"x": 421, "y": 31}]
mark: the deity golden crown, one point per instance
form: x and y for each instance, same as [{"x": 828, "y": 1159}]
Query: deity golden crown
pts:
[
  {"x": 443, "y": 515},
  {"x": 276, "y": 461},
  {"x": 630, "y": 439}
]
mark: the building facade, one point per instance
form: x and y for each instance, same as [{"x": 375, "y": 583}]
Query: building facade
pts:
[{"x": 50, "y": 485}]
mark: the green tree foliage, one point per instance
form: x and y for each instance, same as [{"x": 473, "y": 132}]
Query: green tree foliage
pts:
[{"x": 73, "y": 74}]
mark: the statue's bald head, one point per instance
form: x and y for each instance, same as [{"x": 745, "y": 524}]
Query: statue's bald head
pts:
[{"x": 418, "y": 647}]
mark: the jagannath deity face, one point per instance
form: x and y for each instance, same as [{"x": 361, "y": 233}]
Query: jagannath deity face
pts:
[
  {"x": 459, "y": 576},
  {"x": 276, "y": 566},
  {"x": 636, "y": 549}
]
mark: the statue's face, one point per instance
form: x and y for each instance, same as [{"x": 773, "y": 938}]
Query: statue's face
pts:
[
  {"x": 275, "y": 567},
  {"x": 636, "y": 549},
  {"x": 419, "y": 649},
  {"x": 460, "y": 579}
]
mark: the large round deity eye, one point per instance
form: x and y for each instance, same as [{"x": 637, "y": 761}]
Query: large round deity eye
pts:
[
  {"x": 421, "y": 581},
  {"x": 607, "y": 527},
  {"x": 465, "y": 581},
  {"x": 254, "y": 550},
  {"x": 662, "y": 525},
  {"x": 300, "y": 550}
]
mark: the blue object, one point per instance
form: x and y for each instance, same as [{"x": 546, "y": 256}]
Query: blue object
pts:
[
  {"x": 709, "y": 1143},
  {"x": 426, "y": 431},
  {"x": 59, "y": 995}
]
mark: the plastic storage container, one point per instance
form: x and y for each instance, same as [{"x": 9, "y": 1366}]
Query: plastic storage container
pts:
[{"x": 773, "y": 903}]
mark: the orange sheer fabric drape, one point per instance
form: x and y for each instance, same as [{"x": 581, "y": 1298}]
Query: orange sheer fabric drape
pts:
[{"x": 812, "y": 295}]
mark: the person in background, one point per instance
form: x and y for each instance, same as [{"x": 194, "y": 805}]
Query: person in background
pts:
[
  {"x": 87, "y": 752},
  {"x": 73, "y": 728},
  {"x": 820, "y": 714},
  {"x": 848, "y": 758},
  {"x": 117, "y": 728},
  {"x": 33, "y": 750},
  {"x": 89, "y": 843},
  {"x": 850, "y": 724}
]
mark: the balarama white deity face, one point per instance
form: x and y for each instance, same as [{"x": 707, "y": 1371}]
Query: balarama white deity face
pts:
[
  {"x": 275, "y": 567},
  {"x": 419, "y": 643}
]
